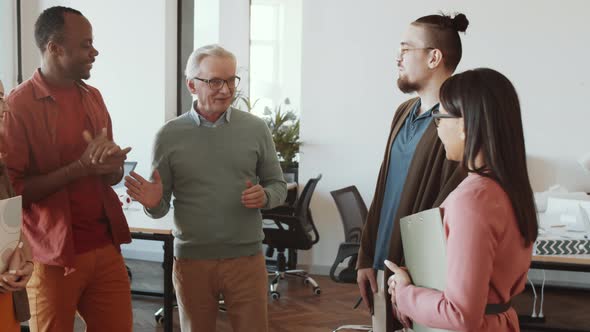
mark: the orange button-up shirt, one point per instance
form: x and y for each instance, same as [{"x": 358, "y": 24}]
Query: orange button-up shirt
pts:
[{"x": 31, "y": 139}]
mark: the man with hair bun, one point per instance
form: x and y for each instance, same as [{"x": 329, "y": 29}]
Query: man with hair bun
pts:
[{"x": 414, "y": 174}]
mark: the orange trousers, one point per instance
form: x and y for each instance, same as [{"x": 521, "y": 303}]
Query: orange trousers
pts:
[
  {"x": 99, "y": 290},
  {"x": 8, "y": 322},
  {"x": 243, "y": 282}
]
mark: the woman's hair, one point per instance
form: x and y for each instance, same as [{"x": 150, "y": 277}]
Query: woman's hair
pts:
[
  {"x": 489, "y": 105},
  {"x": 443, "y": 34}
]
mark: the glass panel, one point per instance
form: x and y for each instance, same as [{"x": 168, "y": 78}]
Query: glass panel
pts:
[
  {"x": 275, "y": 53},
  {"x": 263, "y": 21},
  {"x": 262, "y": 59},
  {"x": 206, "y": 24}
]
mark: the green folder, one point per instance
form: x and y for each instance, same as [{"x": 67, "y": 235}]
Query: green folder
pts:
[{"x": 425, "y": 252}]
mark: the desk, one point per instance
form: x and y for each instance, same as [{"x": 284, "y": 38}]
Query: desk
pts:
[
  {"x": 574, "y": 263},
  {"x": 145, "y": 228}
]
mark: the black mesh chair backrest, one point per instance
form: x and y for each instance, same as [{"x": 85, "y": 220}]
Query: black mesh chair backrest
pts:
[
  {"x": 302, "y": 205},
  {"x": 353, "y": 212}
]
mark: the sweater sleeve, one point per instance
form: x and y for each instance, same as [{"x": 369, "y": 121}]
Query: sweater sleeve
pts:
[
  {"x": 162, "y": 164},
  {"x": 471, "y": 246},
  {"x": 269, "y": 171}
]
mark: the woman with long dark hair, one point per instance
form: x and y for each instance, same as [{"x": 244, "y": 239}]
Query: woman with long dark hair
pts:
[{"x": 489, "y": 220}]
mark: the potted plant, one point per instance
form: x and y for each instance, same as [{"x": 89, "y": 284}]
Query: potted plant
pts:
[
  {"x": 241, "y": 101},
  {"x": 284, "y": 127}
]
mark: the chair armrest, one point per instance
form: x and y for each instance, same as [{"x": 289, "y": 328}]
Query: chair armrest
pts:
[
  {"x": 280, "y": 210},
  {"x": 345, "y": 250},
  {"x": 280, "y": 219}
]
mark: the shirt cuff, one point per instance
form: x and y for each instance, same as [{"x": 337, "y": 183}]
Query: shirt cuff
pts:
[{"x": 267, "y": 205}]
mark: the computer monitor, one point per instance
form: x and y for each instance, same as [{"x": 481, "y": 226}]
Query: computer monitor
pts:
[{"x": 128, "y": 167}]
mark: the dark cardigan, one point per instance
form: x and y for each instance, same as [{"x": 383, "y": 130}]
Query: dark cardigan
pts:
[{"x": 431, "y": 177}]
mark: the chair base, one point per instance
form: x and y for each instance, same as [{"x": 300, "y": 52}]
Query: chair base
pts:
[
  {"x": 159, "y": 315},
  {"x": 301, "y": 274},
  {"x": 354, "y": 328}
]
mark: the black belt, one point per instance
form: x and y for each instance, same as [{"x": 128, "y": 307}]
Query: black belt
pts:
[{"x": 497, "y": 308}]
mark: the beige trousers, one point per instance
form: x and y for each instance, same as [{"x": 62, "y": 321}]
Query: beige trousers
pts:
[{"x": 242, "y": 281}]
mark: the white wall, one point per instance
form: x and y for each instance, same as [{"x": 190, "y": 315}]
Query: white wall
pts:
[
  {"x": 135, "y": 72},
  {"x": 347, "y": 102},
  {"x": 290, "y": 74},
  {"x": 8, "y": 62},
  {"x": 349, "y": 92}
]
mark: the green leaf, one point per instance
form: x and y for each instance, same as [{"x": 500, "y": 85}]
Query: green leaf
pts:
[{"x": 284, "y": 127}]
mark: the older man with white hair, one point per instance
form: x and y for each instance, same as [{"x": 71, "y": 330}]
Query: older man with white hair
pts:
[{"x": 221, "y": 165}]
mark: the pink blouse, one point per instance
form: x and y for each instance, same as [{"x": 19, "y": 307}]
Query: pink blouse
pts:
[{"x": 487, "y": 262}]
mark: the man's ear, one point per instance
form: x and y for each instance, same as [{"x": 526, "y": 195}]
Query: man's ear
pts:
[
  {"x": 190, "y": 84},
  {"x": 435, "y": 59},
  {"x": 54, "y": 48}
]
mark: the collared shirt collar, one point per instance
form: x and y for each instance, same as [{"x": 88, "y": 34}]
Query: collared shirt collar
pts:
[
  {"x": 199, "y": 119},
  {"x": 426, "y": 114},
  {"x": 42, "y": 90}
]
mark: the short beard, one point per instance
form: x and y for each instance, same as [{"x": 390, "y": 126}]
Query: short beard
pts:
[
  {"x": 85, "y": 76},
  {"x": 406, "y": 86}
]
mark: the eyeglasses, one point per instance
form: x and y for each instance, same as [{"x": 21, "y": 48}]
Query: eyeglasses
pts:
[
  {"x": 217, "y": 83},
  {"x": 437, "y": 115},
  {"x": 402, "y": 51}
]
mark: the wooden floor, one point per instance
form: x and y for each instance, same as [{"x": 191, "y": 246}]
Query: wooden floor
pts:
[{"x": 299, "y": 310}]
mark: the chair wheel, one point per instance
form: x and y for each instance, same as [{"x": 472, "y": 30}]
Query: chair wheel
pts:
[
  {"x": 275, "y": 295},
  {"x": 317, "y": 291},
  {"x": 159, "y": 319},
  {"x": 306, "y": 281}
]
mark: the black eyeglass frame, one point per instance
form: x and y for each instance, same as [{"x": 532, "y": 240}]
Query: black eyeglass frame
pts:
[
  {"x": 401, "y": 52},
  {"x": 217, "y": 80},
  {"x": 436, "y": 116}
]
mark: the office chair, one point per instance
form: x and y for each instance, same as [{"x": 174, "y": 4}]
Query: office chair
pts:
[
  {"x": 295, "y": 230},
  {"x": 353, "y": 213}
]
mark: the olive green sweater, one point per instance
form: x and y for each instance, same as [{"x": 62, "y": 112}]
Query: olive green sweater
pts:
[{"x": 206, "y": 169}]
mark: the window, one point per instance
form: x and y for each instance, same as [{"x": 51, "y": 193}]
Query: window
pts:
[
  {"x": 275, "y": 53},
  {"x": 269, "y": 62}
]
